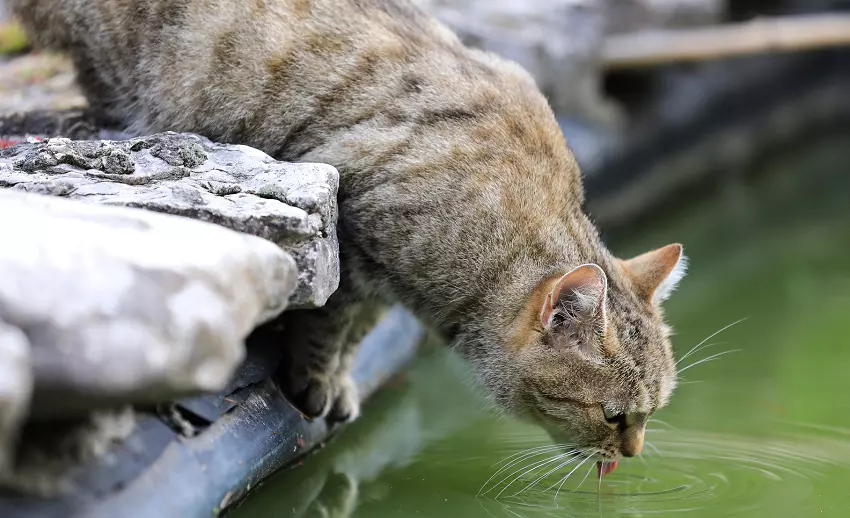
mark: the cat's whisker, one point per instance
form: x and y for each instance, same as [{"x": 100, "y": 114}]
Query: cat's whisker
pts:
[
  {"x": 525, "y": 454},
  {"x": 532, "y": 468},
  {"x": 567, "y": 462},
  {"x": 561, "y": 481},
  {"x": 709, "y": 337},
  {"x": 536, "y": 449},
  {"x": 698, "y": 349},
  {"x": 664, "y": 423},
  {"x": 655, "y": 449},
  {"x": 589, "y": 471},
  {"x": 567, "y": 477},
  {"x": 683, "y": 381},
  {"x": 707, "y": 359},
  {"x": 513, "y": 463},
  {"x": 528, "y": 467},
  {"x": 598, "y": 490}
]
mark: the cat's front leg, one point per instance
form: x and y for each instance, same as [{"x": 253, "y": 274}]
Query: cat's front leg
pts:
[
  {"x": 311, "y": 342},
  {"x": 362, "y": 317},
  {"x": 318, "y": 349}
]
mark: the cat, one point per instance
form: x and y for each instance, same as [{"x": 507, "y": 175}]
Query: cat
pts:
[{"x": 459, "y": 197}]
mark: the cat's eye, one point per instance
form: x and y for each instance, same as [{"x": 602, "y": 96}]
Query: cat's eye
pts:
[{"x": 612, "y": 416}]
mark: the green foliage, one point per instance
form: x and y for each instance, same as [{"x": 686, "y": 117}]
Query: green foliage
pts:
[{"x": 12, "y": 39}]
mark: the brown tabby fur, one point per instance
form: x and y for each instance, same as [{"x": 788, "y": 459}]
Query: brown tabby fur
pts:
[{"x": 458, "y": 198}]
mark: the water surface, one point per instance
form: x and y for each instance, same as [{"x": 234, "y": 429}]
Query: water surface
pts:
[{"x": 762, "y": 432}]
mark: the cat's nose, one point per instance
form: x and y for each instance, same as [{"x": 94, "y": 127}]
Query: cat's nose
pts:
[{"x": 632, "y": 441}]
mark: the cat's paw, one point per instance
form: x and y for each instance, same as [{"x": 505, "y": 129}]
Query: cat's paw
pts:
[
  {"x": 312, "y": 394},
  {"x": 317, "y": 395},
  {"x": 346, "y": 405}
]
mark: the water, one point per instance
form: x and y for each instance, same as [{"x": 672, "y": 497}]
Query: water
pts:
[{"x": 760, "y": 432}]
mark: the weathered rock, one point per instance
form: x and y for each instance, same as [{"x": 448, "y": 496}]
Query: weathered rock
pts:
[
  {"x": 124, "y": 305},
  {"x": 292, "y": 205}
]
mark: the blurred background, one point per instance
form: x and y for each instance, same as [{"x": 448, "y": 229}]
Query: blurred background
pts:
[{"x": 691, "y": 127}]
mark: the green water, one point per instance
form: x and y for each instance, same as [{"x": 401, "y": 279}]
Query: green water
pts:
[{"x": 760, "y": 432}]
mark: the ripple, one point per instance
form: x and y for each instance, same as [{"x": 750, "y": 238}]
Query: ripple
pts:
[{"x": 682, "y": 471}]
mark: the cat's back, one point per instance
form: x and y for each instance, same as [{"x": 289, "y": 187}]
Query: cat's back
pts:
[
  {"x": 371, "y": 86},
  {"x": 167, "y": 59},
  {"x": 136, "y": 25}
]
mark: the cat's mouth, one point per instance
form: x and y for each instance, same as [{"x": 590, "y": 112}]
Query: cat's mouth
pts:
[{"x": 603, "y": 467}]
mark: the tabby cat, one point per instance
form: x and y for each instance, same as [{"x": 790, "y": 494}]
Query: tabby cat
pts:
[{"x": 458, "y": 195}]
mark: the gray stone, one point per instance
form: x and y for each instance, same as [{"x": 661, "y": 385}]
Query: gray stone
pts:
[
  {"x": 124, "y": 305},
  {"x": 292, "y": 205}
]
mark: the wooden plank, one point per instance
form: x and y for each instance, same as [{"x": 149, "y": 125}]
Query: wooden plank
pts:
[{"x": 781, "y": 34}]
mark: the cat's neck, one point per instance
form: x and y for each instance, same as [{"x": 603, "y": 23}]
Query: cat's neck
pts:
[{"x": 490, "y": 307}]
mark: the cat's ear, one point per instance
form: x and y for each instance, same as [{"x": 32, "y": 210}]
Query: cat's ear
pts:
[
  {"x": 577, "y": 298},
  {"x": 656, "y": 274}
]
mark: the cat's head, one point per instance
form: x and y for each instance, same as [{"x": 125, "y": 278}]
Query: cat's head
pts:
[{"x": 592, "y": 358}]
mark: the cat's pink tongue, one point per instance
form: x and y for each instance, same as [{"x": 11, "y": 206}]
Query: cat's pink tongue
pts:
[{"x": 603, "y": 467}]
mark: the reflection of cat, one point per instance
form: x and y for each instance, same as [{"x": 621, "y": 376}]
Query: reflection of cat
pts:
[
  {"x": 458, "y": 195},
  {"x": 338, "y": 498}
]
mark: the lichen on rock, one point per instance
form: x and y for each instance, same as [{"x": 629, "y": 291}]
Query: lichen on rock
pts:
[{"x": 292, "y": 205}]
